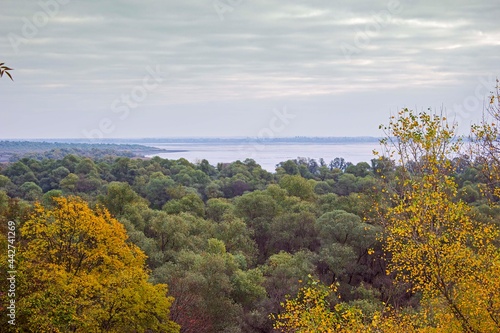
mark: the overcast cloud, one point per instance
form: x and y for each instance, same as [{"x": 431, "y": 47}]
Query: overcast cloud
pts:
[{"x": 340, "y": 67}]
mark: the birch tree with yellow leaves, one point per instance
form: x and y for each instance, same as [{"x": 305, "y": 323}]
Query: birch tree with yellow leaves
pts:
[
  {"x": 435, "y": 242},
  {"x": 485, "y": 146}
]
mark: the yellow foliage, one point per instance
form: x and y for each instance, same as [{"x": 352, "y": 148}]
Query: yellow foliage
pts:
[
  {"x": 310, "y": 312},
  {"x": 485, "y": 147},
  {"x": 82, "y": 276},
  {"x": 436, "y": 243}
]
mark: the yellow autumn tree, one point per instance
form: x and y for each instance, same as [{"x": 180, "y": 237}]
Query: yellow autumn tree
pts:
[
  {"x": 485, "y": 146},
  {"x": 310, "y": 311},
  {"x": 79, "y": 274},
  {"x": 434, "y": 241}
]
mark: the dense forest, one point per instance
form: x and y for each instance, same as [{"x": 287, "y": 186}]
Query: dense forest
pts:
[{"x": 407, "y": 242}]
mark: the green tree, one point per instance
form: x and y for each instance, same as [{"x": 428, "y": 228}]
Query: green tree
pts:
[
  {"x": 190, "y": 203},
  {"x": 237, "y": 238},
  {"x": 282, "y": 273},
  {"x": 60, "y": 173},
  {"x": 298, "y": 186},
  {"x": 203, "y": 285},
  {"x": 85, "y": 167},
  {"x": 30, "y": 191},
  {"x": 68, "y": 184},
  {"x": 293, "y": 231},
  {"x": 345, "y": 185},
  {"x": 346, "y": 244},
  {"x": 258, "y": 209},
  {"x": 362, "y": 169},
  {"x": 289, "y": 167},
  {"x": 4, "y": 181},
  {"x": 156, "y": 189},
  {"x": 217, "y": 208},
  {"x": 120, "y": 196},
  {"x": 20, "y": 173}
]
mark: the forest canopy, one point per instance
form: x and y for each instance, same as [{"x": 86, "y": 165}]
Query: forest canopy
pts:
[{"x": 406, "y": 242}]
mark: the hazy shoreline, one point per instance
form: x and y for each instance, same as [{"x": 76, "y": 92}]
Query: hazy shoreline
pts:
[{"x": 267, "y": 153}]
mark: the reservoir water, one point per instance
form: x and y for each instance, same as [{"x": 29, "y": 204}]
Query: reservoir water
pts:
[{"x": 268, "y": 154}]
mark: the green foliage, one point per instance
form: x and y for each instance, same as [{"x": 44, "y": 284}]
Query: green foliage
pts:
[
  {"x": 156, "y": 189},
  {"x": 292, "y": 232},
  {"x": 120, "y": 196},
  {"x": 4, "y": 180},
  {"x": 68, "y": 184},
  {"x": 216, "y": 209},
  {"x": 298, "y": 186},
  {"x": 190, "y": 203},
  {"x": 16, "y": 150},
  {"x": 31, "y": 191},
  {"x": 19, "y": 173}
]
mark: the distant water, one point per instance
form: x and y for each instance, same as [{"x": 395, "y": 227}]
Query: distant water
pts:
[{"x": 268, "y": 154}]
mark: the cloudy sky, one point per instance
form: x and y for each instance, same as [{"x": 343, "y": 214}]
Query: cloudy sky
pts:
[{"x": 223, "y": 68}]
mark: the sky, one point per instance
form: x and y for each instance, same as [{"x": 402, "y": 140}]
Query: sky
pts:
[{"x": 241, "y": 68}]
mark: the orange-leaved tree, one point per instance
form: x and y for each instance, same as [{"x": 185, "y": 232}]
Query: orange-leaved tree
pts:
[{"x": 78, "y": 273}]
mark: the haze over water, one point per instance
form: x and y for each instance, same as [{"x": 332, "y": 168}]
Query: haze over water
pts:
[{"x": 268, "y": 154}]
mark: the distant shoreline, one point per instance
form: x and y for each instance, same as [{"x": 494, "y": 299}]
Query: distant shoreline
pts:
[
  {"x": 267, "y": 153},
  {"x": 14, "y": 150},
  {"x": 212, "y": 140},
  {"x": 213, "y": 149}
]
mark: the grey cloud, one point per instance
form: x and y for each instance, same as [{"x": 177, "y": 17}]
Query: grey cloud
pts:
[{"x": 91, "y": 52}]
